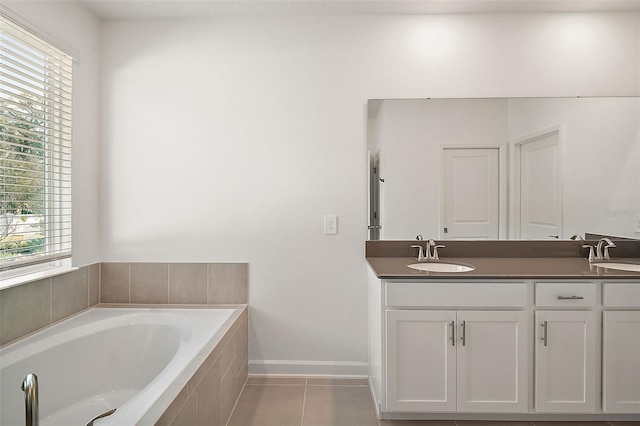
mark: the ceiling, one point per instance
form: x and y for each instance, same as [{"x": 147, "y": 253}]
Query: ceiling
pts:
[{"x": 157, "y": 9}]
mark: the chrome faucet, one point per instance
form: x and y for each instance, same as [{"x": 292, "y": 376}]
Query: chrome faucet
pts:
[
  {"x": 30, "y": 388},
  {"x": 600, "y": 251},
  {"x": 577, "y": 237},
  {"x": 604, "y": 254},
  {"x": 430, "y": 252}
]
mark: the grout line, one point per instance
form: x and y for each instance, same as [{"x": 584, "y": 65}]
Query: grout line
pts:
[{"x": 304, "y": 400}]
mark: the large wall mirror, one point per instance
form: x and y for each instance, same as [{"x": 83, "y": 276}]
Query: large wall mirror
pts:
[{"x": 504, "y": 168}]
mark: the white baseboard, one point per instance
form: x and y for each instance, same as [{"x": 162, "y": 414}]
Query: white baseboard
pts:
[{"x": 308, "y": 368}]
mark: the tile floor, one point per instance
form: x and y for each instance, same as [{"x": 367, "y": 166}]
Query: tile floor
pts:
[{"x": 300, "y": 401}]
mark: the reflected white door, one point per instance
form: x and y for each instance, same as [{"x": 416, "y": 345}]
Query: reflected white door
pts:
[
  {"x": 471, "y": 194},
  {"x": 541, "y": 188}
]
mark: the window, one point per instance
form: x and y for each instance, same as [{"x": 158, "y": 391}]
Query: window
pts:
[{"x": 35, "y": 152}]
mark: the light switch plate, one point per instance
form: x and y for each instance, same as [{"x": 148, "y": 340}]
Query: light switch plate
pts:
[{"x": 330, "y": 224}]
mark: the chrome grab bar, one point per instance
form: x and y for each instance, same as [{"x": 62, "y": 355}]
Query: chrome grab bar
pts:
[{"x": 30, "y": 388}]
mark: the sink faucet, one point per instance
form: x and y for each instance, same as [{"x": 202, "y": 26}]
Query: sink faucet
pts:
[
  {"x": 430, "y": 252},
  {"x": 601, "y": 251},
  {"x": 604, "y": 255}
]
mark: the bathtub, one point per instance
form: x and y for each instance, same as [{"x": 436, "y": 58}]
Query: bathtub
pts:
[{"x": 104, "y": 358}]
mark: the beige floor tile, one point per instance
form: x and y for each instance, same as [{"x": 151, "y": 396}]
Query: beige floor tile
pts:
[
  {"x": 261, "y": 405},
  {"x": 491, "y": 423},
  {"x": 337, "y": 382},
  {"x": 276, "y": 381},
  {"x": 417, "y": 423},
  {"x": 571, "y": 423},
  {"x": 338, "y": 406}
]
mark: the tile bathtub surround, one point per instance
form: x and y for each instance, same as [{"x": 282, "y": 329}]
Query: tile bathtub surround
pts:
[
  {"x": 175, "y": 283},
  {"x": 210, "y": 393},
  {"x": 29, "y": 307}
]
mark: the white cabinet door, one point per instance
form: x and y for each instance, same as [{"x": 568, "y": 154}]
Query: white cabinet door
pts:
[
  {"x": 621, "y": 362},
  {"x": 421, "y": 361},
  {"x": 565, "y": 369},
  {"x": 492, "y": 361}
]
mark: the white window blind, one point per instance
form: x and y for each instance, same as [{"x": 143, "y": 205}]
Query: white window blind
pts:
[{"x": 35, "y": 150}]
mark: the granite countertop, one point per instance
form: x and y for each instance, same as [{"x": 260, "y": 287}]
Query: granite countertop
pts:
[{"x": 388, "y": 267}]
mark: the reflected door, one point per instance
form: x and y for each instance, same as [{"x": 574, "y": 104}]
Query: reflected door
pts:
[
  {"x": 374, "y": 197},
  {"x": 471, "y": 194},
  {"x": 541, "y": 188}
]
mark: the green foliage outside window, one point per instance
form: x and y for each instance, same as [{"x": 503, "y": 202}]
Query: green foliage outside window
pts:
[{"x": 22, "y": 175}]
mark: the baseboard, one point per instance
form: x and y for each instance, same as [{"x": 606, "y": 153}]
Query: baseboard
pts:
[{"x": 308, "y": 368}]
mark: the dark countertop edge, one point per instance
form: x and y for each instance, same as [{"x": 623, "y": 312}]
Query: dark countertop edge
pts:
[{"x": 493, "y": 275}]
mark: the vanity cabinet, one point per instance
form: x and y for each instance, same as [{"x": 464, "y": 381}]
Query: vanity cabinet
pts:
[
  {"x": 565, "y": 348},
  {"x": 505, "y": 350},
  {"x": 456, "y": 361},
  {"x": 463, "y": 360},
  {"x": 621, "y": 348},
  {"x": 565, "y": 362}
]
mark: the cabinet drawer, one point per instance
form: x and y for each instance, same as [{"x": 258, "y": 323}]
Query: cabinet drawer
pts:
[
  {"x": 621, "y": 295},
  {"x": 566, "y": 294},
  {"x": 427, "y": 294}
]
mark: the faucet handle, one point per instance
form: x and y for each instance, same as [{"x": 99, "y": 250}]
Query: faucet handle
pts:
[
  {"x": 590, "y": 251},
  {"x": 435, "y": 251},
  {"x": 420, "y": 252},
  {"x": 606, "y": 249}
]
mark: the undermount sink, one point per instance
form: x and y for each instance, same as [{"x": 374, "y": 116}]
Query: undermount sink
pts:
[
  {"x": 441, "y": 267},
  {"x": 620, "y": 266}
]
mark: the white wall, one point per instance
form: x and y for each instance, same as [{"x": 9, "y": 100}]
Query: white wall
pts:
[
  {"x": 74, "y": 29},
  {"x": 254, "y": 128}
]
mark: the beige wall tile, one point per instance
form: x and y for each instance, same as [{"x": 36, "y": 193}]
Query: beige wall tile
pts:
[
  {"x": 227, "y": 356},
  {"x": 149, "y": 283},
  {"x": 174, "y": 408},
  {"x": 24, "y": 309},
  {"x": 228, "y": 395},
  {"x": 94, "y": 284},
  {"x": 187, "y": 414},
  {"x": 228, "y": 283},
  {"x": 188, "y": 283},
  {"x": 208, "y": 393},
  {"x": 114, "y": 283},
  {"x": 69, "y": 293}
]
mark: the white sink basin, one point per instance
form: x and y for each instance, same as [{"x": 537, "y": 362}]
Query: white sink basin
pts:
[
  {"x": 441, "y": 267},
  {"x": 620, "y": 266}
]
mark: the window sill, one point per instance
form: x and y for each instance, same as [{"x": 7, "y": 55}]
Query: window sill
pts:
[{"x": 35, "y": 276}]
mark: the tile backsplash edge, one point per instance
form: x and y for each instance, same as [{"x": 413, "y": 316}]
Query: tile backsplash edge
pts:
[{"x": 31, "y": 307}]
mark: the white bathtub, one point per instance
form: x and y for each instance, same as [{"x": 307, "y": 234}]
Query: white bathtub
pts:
[{"x": 104, "y": 358}]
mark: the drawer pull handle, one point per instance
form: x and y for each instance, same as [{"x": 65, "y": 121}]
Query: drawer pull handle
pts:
[
  {"x": 570, "y": 297},
  {"x": 453, "y": 333},
  {"x": 544, "y": 333}
]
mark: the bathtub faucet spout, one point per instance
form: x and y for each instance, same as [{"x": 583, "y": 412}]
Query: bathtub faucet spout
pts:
[{"x": 30, "y": 388}]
